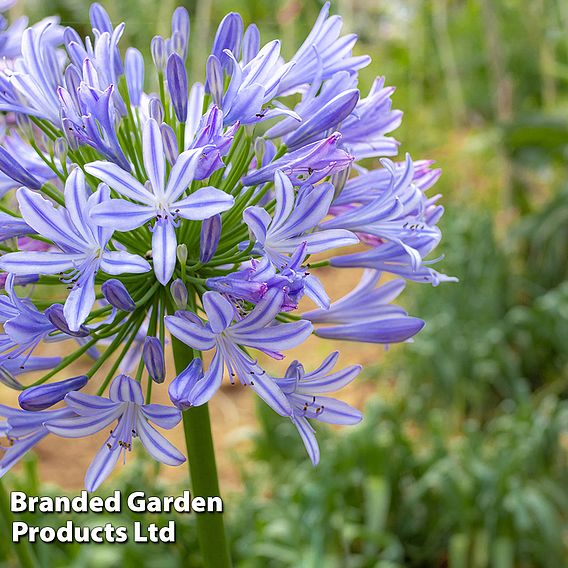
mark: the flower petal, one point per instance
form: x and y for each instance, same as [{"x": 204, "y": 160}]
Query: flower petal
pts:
[
  {"x": 101, "y": 466},
  {"x": 219, "y": 310},
  {"x": 126, "y": 389},
  {"x": 308, "y": 437},
  {"x": 39, "y": 262},
  {"x": 182, "y": 174},
  {"x": 121, "y": 215},
  {"x": 156, "y": 445},
  {"x": 191, "y": 334},
  {"x": 203, "y": 203},
  {"x": 164, "y": 247},
  {"x": 119, "y": 180},
  {"x": 153, "y": 156},
  {"x": 79, "y": 302},
  {"x": 258, "y": 221},
  {"x": 120, "y": 262},
  {"x": 164, "y": 416}
]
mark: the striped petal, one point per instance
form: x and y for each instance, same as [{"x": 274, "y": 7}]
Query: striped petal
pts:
[
  {"x": 156, "y": 445},
  {"x": 191, "y": 334},
  {"x": 220, "y": 311},
  {"x": 119, "y": 180},
  {"x": 164, "y": 248},
  {"x": 203, "y": 203}
]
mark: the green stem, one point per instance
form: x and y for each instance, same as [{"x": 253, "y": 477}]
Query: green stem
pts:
[
  {"x": 203, "y": 471},
  {"x": 22, "y": 549}
]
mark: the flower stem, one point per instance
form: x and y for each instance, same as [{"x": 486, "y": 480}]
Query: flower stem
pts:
[
  {"x": 203, "y": 471},
  {"x": 22, "y": 549}
]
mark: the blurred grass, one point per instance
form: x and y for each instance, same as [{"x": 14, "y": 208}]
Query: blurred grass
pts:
[{"x": 463, "y": 464}]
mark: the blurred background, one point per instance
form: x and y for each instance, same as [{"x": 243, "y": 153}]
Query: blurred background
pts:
[{"x": 461, "y": 459}]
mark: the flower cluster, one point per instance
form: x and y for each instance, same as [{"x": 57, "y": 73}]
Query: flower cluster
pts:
[{"x": 193, "y": 212}]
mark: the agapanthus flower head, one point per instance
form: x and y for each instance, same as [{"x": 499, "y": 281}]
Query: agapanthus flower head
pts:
[{"x": 132, "y": 222}]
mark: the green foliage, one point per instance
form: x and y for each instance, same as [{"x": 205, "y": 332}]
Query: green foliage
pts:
[{"x": 390, "y": 493}]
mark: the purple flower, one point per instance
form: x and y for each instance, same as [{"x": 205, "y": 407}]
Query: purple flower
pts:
[
  {"x": 88, "y": 114},
  {"x": 161, "y": 201},
  {"x": 251, "y": 86},
  {"x": 45, "y": 396},
  {"x": 32, "y": 88},
  {"x": 185, "y": 387},
  {"x": 323, "y": 107},
  {"x": 304, "y": 390},
  {"x": 365, "y": 314},
  {"x": 309, "y": 164},
  {"x": 294, "y": 220},
  {"x": 24, "y": 326},
  {"x": 256, "y": 330},
  {"x": 322, "y": 54},
  {"x": 24, "y": 430},
  {"x": 212, "y": 137},
  {"x": 395, "y": 215},
  {"x": 364, "y": 130},
  {"x": 82, "y": 243},
  {"x": 126, "y": 405}
]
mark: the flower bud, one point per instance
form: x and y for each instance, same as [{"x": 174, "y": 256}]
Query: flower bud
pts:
[
  {"x": 100, "y": 20},
  {"x": 338, "y": 180},
  {"x": 117, "y": 295},
  {"x": 60, "y": 149},
  {"x": 45, "y": 396},
  {"x": 210, "y": 235},
  {"x": 176, "y": 77},
  {"x": 134, "y": 71},
  {"x": 214, "y": 73},
  {"x": 170, "y": 143},
  {"x": 182, "y": 253},
  {"x": 57, "y": 318},
  {"x": 156, "y": 110},
  {"x": 229, "y": 36},
  {"x": 25, "y": 125},
  {"x": 181, "y": 389},
  {"x": 180, "y": 29},
  {"x": 251, "y": 44},
  {"x": 158, "y": 50},
  {"x": 153, "y": 354},
  {"x": 179, "y": 294}
]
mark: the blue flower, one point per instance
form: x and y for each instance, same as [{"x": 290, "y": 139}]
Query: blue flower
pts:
[
  {"x": 125, "y": 405},
  {"x": 365, "y": 314},
  {"x": 164, "y": 203},
  {"x": 255, "y": 330},
  {"x": 24, "y": 429},
  {"x": 83, "y": 245},
  {"x": 303, "y": 390}
]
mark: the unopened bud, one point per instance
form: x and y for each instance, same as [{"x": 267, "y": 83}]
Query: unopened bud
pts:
[
  {"x": 210, "y": 235},
  {"x": 56, "y": 316},
  {"x": 182, "y": 254},
  {"x": 153, "y": 355},
  {"x": 179, "y": 294},
  {"x": 45, "y": 396},
  {"x": 117, "y": 295}
]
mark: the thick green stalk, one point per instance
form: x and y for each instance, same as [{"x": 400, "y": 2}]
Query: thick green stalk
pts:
[{"x": 203, "y": 471}]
